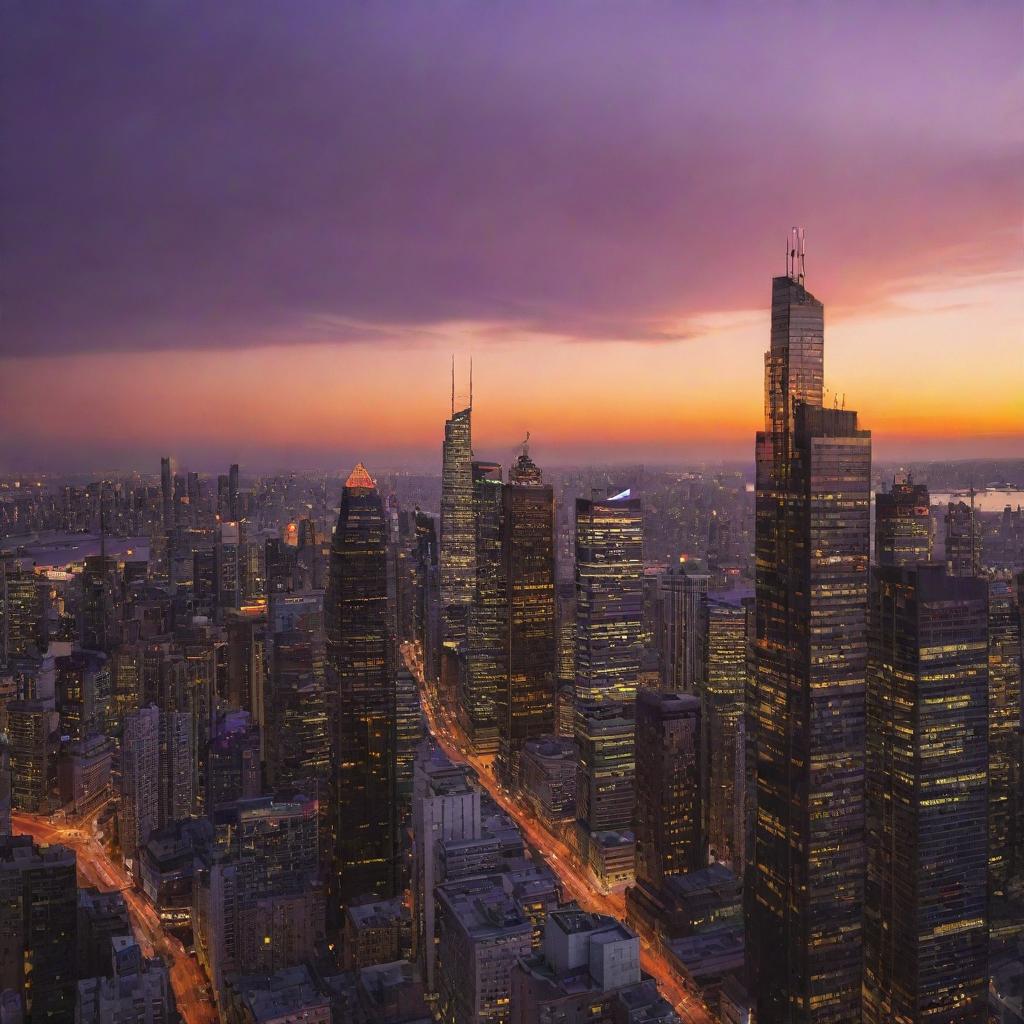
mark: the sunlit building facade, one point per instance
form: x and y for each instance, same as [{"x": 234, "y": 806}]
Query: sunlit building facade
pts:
[
  {"x": 925, "y": 916},
  {"x": 361, "y": 689},
  {"x": 812, "y": 502}
]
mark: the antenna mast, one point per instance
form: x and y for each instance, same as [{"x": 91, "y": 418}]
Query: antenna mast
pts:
[
  {"x": 796, "y": 256},
  {"x": 453, "y": 383}
]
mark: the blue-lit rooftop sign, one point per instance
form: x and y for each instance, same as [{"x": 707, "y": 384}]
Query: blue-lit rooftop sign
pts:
[{"x": 622, "y": 495}]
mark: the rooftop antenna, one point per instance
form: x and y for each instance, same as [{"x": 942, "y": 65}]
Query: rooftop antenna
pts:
[
  {"x": 526, "y": 446},
  {"x": 453, "y": 383},
  {"x": 471, "y": 382},
  {"x": 795, "y": 256}
]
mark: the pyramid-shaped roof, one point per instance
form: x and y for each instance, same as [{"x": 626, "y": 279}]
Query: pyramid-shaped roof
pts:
[{"x": 359, "y": 477}]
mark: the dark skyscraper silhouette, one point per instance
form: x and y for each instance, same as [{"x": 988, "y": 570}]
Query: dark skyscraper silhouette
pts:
[
  {"x": 903, "y": 526},
  {"x": 925, "y": 920},
  {"x": 812, "y": 513},
  {"x": 360, "y": 655},
  {"x": 457, "y": 537}
]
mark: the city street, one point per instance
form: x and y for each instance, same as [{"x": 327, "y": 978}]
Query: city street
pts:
[
  {"x": 97, "y": 869},
  {"x": 575, "y": 880}
]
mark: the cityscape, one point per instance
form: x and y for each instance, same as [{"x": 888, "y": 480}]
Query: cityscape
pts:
[{"x": 619, "y": 722}]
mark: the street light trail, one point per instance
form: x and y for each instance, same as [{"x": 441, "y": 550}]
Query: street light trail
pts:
[{"x": 554, "y": 851}]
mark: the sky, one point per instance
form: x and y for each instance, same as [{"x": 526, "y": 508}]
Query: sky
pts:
[{"x": 259, "y": 231}]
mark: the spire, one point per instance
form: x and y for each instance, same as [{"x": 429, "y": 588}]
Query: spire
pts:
[
  {"x": 453, "y": 383},
  {"x": 795, "y": 256},
  {"x": 359, "y": 477}
]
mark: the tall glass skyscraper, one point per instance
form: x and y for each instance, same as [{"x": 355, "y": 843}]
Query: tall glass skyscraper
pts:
[
  {"x": 903, "y": 525},
  {"x": 609, "y": 597},
  {"x": 525, "y": 702},
  {"x": 925, "y": 920},
  {"x": 360, "y": 650},
  {"x": 458, "y": 535},
  {"x": 487, "y": 664},
  {"x": 813, "y": 494}
]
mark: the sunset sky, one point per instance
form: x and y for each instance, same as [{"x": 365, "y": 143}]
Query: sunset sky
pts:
[{"x": 257, "y": 231}]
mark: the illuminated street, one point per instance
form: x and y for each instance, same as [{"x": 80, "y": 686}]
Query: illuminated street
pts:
[
  {"x": 97, "y": 869},
  {"x": 575, "y": 881}
]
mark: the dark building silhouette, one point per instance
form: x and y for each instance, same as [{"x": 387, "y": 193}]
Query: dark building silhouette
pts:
[
  {"x": 963, "y": 540},
  {"x": 903, "y": 527},
  {"x": 360, "y": 655},
  {"x": 925, "y": 920},
  {"x": 812, "y": 511},
  {"x": 457, "y": 535}
]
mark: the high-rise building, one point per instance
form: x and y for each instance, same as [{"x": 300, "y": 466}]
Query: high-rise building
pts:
[
  {"x": 607, "y": 767},
  {"x": 39, "y": 927},
  {"x": 458, "y": 540},
  {"x": 669, "y": 816},
  {"x": 722, "y": 694},
  {"x": 903, "y": 525},
  {"x": 360, "y": 655},
  {"x": 1005, "y": 736},
  {"x": 812, "y": 501},
  {"x": 234, "y": 503},
  {"x": 30, "y": 724},
  {"x": 682, "y": 592},
  {"x": 102, "y": 603},
  {"x": 21, "y": 613},
  {"x": 963, "y": 539},
  {"x": 609, "y": 597},
  {"x": 487, "y": 660},
  {"x": 167, "y": 493},
  {"x": 925, "y": 913},
  {"x": 140, "y": 779},
  {"x": 525, "y": 704}
]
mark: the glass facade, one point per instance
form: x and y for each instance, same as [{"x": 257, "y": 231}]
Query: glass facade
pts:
[
  {"x": 360, "y": 654},
  {"x": 903, "y": 526},
  {"x": 925, "y": 921},
  {"x": 812, "y": 506},
  {"x": 458, "y": 535}
]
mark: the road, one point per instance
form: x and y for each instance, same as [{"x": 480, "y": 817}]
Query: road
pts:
[
  {"x": 97, "y": 869},
  {"x": 576, "y": 881}
]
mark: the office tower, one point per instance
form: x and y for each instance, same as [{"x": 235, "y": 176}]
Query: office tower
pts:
[
  {"x": 458, "y": 541},
  {"x": 360, "y": 653},
  {"x": 609, "y": 597},
  {"x": 722, "y": 695},
  {"x": 409, "y": 732},
  {"x": 482, "y": 935},
  {"x": 138, "y": 989},
  {"x": 1005, "y": 736},
  {"x": 167, "y": 493},
  {"x": 297, "y": 742},
  {"x": 547, "y": 778},
  {"x": 812, "y": 501},
  {"x": 426, "y": 599},
  {"x": 21, "y": 613},
  {"x": 232, "y": 763},
  {"x": 230, "y": 565},
  {"x": 963, "y": 539},
  {"x": 247, "y": 668},
  {"x": 140, "y": 779},
  {"x": 682, "y": 592},
  {"x": 5, "y": 787},
  {"x": 82, "y": 681},
  {"x": 234, "y": 502},
  {"x": 925, "y": 913},
  {"x": 669, "y": 832},
  {"x": 903, "y": 525},
  {"x": 259, "y": 904},
  {"x": 176, "y": 768},
  {"x": 487, "y": 660},
  {"x": 605, "y": 782},
  {"x": 525, "y": 706},
  {"x": 38, "y": 927},
  {"x": 30, "y": 724},
  {"x": 102, "y": 603},
  {"x": 565, "y": 603},
  {"x": 445, "y": 807}
]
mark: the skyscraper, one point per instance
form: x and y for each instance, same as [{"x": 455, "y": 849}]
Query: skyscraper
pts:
[
  {"x": 360, "y": 654},
  {"x": 903, "y": 526},
  {"x": 140, "y": 778},
  {"x": 487, "y": 663},
  {"x": 682, "y": 591},
  {"x": 609, "y": 597},
  {"x": 525, "y": 702},
  {"x": 722, "y": 695},
  {"x": 925, "y": 919},
  {"x": 669, "y": 817},
  {"x": 812, "y": 506},
  {"x": 458, "y": 539},
  {"x": 1005, "y": 736},
  {"x": 963, "y": 539}
]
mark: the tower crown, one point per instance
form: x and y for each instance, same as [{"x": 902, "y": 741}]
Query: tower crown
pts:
[{"x": 359, "y": 477}]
